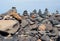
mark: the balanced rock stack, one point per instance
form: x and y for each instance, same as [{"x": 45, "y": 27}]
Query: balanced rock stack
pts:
[{"x": 37, "y": 26}]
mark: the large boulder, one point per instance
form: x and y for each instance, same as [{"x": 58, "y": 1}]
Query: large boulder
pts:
[{"x": 10, "y": 26}]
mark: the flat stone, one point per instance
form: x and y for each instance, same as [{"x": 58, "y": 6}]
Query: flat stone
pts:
[{"x": 8, "y": 26}]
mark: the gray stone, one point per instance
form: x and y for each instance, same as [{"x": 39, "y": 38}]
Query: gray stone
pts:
[
  {"x": 24, "y": 23},
  {"x": 45, "y": 38}
]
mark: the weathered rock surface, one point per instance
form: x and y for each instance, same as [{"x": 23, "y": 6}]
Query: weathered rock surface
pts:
[
  {"x": 33, "y": 27},
  {"x": 10, "y": 26}
]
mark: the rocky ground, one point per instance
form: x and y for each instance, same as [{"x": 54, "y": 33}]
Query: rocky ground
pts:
[{"x": 34, "y": 27}]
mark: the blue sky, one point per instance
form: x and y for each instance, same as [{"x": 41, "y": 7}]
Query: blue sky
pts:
[{"x": 29, "y": 5}]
